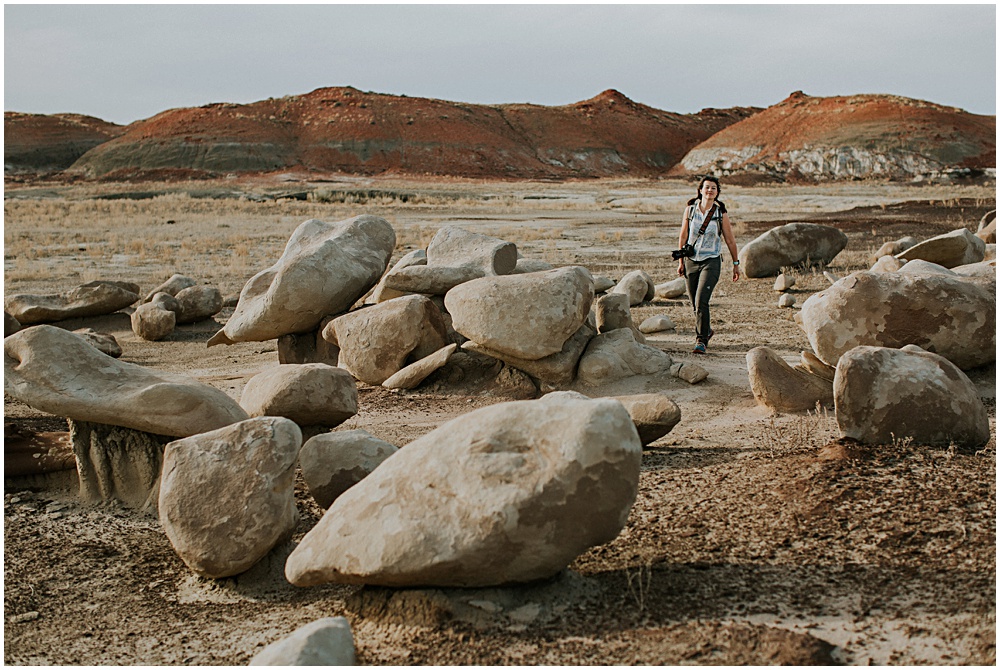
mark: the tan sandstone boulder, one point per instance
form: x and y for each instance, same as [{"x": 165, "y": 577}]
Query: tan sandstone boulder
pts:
[
  {"x": 92, "y": 299},
  {"x": 151, "y": 322},
  {"x": 197, "y": 303},
  {"x": 381, "y": 293},
  {"x": 334, "y": 462},
  {"x": 454, "y": 247},
  {"x": 10, "y": 325},
  {"x": 884, "y": 264},
  {"x": 987, "y": 230},
  {"x": 103, "y": 342},
  {"x": 780, "y": 387},
  {"x": 413, "y": 374},
  {"x": 654, "y": 414},
  {"x": 429, "y": 279},
  {"x": 56, "y": 371},
  {"x": 312, "y": 394},
  {"x": 227, "y": 497},
  {"x": 615, "y": 355},
  {"x": 327, "y": 642},
  {"x": 612, "y": 312},
  {"x": 959, "y": 247},
  {"x": 982, "y": 269},
  {"x": 886, "y": 394},
  {"x": 325, "y": 268},
  {"x": 378, "y": 341},
  {"x": 791, "y": 245},
  {"x": 674, "y": 288},
  {"x": 894, "y": 247},
  {"x": 526, "y": 265},
  {"x": 637, "y": 285},
  {"x": 919, "y": 266},
  {"x": 172, "y": 286},
  {"x": 528, "y": 316},
  {"x": 952, "y": 316},
  {"x": 657, "y": 324},
  {"x": 496, "y": 496},
  {"x": 558, "y": 369}
]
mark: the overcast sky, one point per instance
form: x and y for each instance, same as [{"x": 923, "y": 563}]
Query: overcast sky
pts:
[{"x": 122, "y": 63}]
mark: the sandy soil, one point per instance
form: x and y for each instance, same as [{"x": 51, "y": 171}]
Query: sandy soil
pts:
[{"x": 755, "y": 539}]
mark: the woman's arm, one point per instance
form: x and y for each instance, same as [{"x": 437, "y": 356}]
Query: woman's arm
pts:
[
  {"x": 727, "y": 235},
  {"x": 682, "y": 240}
]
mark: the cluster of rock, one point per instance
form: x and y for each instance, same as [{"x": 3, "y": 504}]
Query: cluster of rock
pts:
[
  {"x": 467, "y": 294},
  {"x": 177, "y": 301},
  {"x": 889, "y": 345},
  {"x": 501, "y": 490}
]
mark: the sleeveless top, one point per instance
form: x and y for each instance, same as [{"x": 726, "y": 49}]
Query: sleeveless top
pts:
[{"x": 708, "y": 245}]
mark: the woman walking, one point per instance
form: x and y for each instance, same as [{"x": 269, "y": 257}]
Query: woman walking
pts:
[{"x": 706, "y": 225}]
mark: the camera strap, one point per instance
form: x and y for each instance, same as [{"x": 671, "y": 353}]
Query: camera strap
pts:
[{"x": 707, "y": 220}]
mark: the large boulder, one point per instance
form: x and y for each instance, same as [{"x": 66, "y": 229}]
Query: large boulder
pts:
[
  {"x": 380, "y": 340},
  {"x": 326, "y": 642},
  {"x": 334, "y": 462},
  {"x": 227, "y": 497},
  {"x": 92, "y": 299},
  {"x": 883, "y": 395},
  {"x": 791, "y": 245},
  {"x": 10, "y": 325},
  {"x": 654, "y": 414},
  {"x": 918, "y": 266},
  {"x": 612, "y": 312},
  {"x": 952, "y": 316},
  {"x": 325, "y": 268},
  {"x": 197, "y": 303},
  {"x": 56, "y": 371},
  {"x": 151, "y": 322},
  {"x": 637, "y": 285},
  {"x": 615, "y": 355},
  {"x": 959, "y": 247},
  {"x": 429, "y": 279},
  {"x": 982, "y": 269},
  {"x": 455, "y": 247},
  {"x": 528, "y": 316},
  {"x": 987, "y": 229},
  {"x": 558, "y": 369},
  {"x": 381, "y": 293},
  {"x": 505, "y": 494},
  {"x": 311, "y": 394},
  {"x": 779, "y": 386}
]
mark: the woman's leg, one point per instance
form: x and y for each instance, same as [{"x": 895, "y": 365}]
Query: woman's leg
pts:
[{"x": 707, "y": 278}]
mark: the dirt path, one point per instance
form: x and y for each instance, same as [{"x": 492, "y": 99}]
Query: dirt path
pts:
[{"x": 754, "y": 539}]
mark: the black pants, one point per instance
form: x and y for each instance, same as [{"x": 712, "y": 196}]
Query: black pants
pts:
[{"x": 702, "y": 276}]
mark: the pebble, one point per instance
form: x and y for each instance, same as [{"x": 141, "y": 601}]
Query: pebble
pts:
[{"x": 23, "y": 618}]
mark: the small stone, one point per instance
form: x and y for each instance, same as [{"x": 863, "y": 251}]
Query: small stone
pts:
[
  {"x": 784, "y": 282},
  {"x": 786, "y": 300},
  {"x": 656, "y": 324}
]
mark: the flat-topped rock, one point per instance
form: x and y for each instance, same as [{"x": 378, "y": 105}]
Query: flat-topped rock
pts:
[
  {"x": 56, "y": 371},
  {"x": 92, "y": 299}
]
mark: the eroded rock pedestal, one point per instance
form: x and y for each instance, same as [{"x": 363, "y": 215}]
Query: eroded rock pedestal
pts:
[{"x": 116, "y": 463}]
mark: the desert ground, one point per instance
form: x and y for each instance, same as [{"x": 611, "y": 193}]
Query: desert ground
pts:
[{"x": 755, "y": 538}]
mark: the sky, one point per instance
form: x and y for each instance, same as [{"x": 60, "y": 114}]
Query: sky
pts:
[{"x": 123, "y": 63}]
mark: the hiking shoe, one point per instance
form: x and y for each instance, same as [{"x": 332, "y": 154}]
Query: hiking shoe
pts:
[
  {"x": 700, "y": 348},
  {"x": 710, "y": 333}
]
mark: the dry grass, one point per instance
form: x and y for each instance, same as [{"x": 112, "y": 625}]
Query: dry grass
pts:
[{"x": 55, "y": 237}]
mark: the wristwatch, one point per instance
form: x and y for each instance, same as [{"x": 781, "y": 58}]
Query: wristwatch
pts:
[{"x": 736, "y": 262}]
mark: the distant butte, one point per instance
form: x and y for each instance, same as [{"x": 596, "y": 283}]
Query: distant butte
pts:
[{"x": 344, "y": 130}]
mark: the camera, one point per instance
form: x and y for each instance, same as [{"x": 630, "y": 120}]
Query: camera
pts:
[{"x": 687, "y": 251}]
